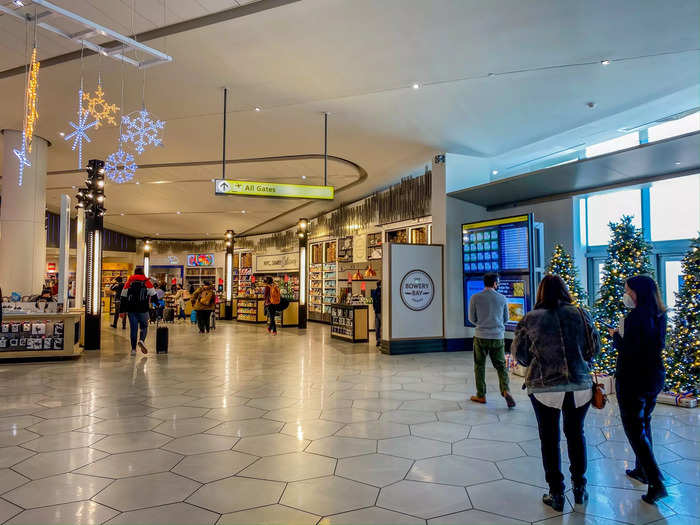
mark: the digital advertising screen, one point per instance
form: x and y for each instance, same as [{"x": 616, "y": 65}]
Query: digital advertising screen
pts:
[{"x": 503, "y": 246}]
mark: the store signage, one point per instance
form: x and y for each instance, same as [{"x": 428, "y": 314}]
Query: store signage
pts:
[
  {"x": 200, "y": 259},
  {"x": 172, "y": 259},
  {"x": 269, "y": 189},
  {"x": 417, "y": 290},
  {"x": 51, "y": 267},
  {"x": 277, "y": 263}
]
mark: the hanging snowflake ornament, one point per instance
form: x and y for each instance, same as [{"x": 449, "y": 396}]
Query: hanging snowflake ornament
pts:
[
  {"x": 22, "y": 156},
  {"x": 142, "y": 130},
  {"x": 101, "y": 110},
  {"x": 80, "y": 129},
  {"x": 120, "y": 166}
]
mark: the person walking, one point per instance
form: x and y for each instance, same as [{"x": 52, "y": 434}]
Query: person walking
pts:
[
  {"x": 640, "y": 376},
  {"x": 557, "y": 341},
  {"x": 488, "y": 311},
  {"x": 136, "y": 296},
  {"x": 272, "y": 297},
  {"x": 179, "y": 299},
  {"x": 117, "y": 288},
  {"x": 204, "y": 302},
  {"x": 377, "y": 305}
]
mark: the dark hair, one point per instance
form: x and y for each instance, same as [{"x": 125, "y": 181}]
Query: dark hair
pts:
[
  {"x": 191, "y": 289},
  {"x": 119, "y": 278},
  {"x": 552, "y": 292},
  {"x": 648, "y": 295},
  {"x": 207, "y": 283},
  {"x": 138, "y": 271},
  {"x": 490, "y": 279}
]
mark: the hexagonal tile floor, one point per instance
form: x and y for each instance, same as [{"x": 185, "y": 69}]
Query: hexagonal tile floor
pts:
[{"x": 240, "y": 434}]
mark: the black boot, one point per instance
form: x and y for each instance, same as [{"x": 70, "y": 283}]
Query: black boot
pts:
[
  {"x": 637, "y": 474},
  {"x": 655, "y": 493},
  {"x": 580, "y": 495},
  {"x": 556, "y": 501}
]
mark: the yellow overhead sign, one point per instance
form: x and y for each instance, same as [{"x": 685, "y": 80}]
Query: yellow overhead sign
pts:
[{"x": 270, "y": 189}]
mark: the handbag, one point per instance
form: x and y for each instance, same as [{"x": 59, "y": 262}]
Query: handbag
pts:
[{"x": 600, "y": 397}]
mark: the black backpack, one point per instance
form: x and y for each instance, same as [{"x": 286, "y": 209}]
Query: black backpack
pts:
[{"x": 136, "y": 297}]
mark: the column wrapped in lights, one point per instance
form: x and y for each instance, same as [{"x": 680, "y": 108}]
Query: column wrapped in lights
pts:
[
  {"x": 92, "y": 199},
  {"x": 303, "y": 235},
  {"x": 146, "y": 256},
  {"x": 228, "y": 276}
]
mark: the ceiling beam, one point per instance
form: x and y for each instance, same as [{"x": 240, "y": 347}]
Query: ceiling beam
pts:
[{"x": 160, "y": 32}]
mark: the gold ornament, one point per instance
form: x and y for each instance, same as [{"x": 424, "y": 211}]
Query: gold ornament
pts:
[
  {"x": 31, "y": 114},
  {"x": 99, "y": 108}
]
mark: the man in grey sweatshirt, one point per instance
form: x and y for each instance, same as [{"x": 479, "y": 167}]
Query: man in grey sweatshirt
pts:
[{"x": 488, "y": 311}]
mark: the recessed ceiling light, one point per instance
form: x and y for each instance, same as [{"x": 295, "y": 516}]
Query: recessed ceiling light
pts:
[
  {"x": 74, "y": 187},
  {"x": 137, "y": 182},
  {"x": 494, "y": 172},
  {"x": 61, "y": 133},
  {"x": 121, "y": 214},
  {"x": 242, "y": 211},
  {"x": 206, "y": 233},
  {"x": 678, "y": 163},
  {"x": 178, "y": 212},
  {"x": 303, "y": 177},
  {"x": 157, "y": 233},
  {"x": 416, "y": 85},
  {"x": 258, "y": 108},
  {"x": 605, "y": 62}
]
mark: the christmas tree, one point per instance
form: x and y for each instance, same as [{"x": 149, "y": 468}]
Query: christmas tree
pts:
[
  {"x": 683, "y": 346},
  {"x": 562, "y": 264},
  {"x": 628, "y": 255}
]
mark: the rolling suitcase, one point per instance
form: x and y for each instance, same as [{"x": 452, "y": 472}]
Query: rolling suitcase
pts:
[
  {"x": 169, "y": 315},
  {"x": 162, "y": 340}
]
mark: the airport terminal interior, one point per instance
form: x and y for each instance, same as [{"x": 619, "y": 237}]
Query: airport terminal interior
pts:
[{"x": 298, "y": 261}]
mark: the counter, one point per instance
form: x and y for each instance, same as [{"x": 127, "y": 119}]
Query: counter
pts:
[
  {"x": 350, "y": 322},
  {"x": 251, "y": 310},
  {"x": 40, "y": 335}
]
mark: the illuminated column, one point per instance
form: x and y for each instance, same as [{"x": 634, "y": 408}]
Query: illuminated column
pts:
[
  {"x": 146, "y": 256},
  {"x": 80, "y": 256},
  {"x": 228, "y": 276},
  {"x": 93, "y": 200},
  {"x": 22, "y": 217},
  {"x": 303, "y": 234}
]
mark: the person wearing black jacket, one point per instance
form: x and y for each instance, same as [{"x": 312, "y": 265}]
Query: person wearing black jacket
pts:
[
  {"x": 377, "y": 304},
  {"x": 640, "y": 375},
  {"x": 117, "y": 288}
]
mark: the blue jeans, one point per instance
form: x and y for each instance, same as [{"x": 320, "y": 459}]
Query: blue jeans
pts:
[{"x": 138, "y": 320}]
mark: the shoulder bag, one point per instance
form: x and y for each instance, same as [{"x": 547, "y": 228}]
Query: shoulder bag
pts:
[{"x": 600, "y": 397}]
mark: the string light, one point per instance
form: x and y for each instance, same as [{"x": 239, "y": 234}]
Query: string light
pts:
[
  {"x": 80, "y": 129},
  {"x": 31, "y": 95},
  {"x": 23, "y": 158},
  {"x": 99, "y": 108},
  {"x": 120, "y": 166},
  {"x": 142, "y": 130}
]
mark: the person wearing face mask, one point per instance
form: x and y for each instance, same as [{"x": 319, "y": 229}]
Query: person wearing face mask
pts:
[{"x": 640, "y": 375}]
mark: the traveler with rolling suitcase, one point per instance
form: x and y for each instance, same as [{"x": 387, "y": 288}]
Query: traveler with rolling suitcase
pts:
[{"x": 135, "y": 302}]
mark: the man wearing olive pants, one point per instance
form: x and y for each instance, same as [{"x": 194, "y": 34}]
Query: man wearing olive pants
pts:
[{"x": 488, "y": 311}]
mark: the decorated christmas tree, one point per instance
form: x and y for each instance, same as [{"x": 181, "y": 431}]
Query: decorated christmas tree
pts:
[
  {"x": 683, "y": 345},
  {"x": 628, "y": 255},
  {"x": 562, "y": 264}
]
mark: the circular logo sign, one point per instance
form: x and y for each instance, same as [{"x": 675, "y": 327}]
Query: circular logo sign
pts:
[{"x": 417, "y": 290}]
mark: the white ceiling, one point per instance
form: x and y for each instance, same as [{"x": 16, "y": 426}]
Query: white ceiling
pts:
[{"x": 357, "y": 59}]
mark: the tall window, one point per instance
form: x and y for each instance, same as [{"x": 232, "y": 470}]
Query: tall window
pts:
[
  {"x": 609, "y": 207},
  {"x": 675, "y": 208}
]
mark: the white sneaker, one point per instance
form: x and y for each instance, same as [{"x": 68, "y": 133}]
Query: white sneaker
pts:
[
  {"x": 142, "y": 346},
  {"x": 133, "y": 352}
]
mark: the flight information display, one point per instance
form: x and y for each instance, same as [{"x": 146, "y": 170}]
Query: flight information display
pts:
[{"x": 503, "y": 246}]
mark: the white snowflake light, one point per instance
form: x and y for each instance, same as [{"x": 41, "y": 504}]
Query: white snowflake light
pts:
[
  {"x": 120, "y": 166},
  {"x": 80, "y": 129},
  {"x": 22, "y": 157},
  {"x": 142, "y": 130}
]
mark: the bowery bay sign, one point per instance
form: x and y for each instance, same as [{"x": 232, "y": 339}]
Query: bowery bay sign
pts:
[{"x": 417, "y": 290}]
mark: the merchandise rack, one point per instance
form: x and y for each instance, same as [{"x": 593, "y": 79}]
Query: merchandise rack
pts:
[
  {"x": 350, "y": 322},
  {"x": 251, "y": 309}
]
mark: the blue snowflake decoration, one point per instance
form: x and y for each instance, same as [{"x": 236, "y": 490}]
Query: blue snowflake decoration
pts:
[
  {"x": 80, "y": 129},
  {"x": 120, "y": 166},
  {"x": 142, "y": 130},
  {"x": 23, "y": 158}
]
